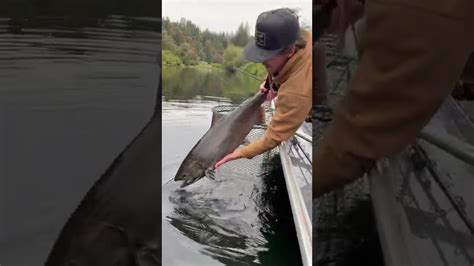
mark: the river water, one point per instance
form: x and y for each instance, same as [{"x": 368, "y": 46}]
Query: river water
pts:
[
  {"x": 74, "y": 91},
  {"x": 77, "y": 85},
  {"x": 243, "y": 217}
]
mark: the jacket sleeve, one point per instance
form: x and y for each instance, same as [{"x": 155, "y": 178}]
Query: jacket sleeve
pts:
[
  {"x": 291, "y": 111},
  {"x": 412, "y": 59}
]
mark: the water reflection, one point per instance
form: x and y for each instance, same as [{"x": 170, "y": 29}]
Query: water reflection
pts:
[
  {"x": 242, "y": 219},
  {"x": 80, "y": 8},
  {"x": 90, "y": 39},
  {"x": 76, "y": 86},
  {"x": 188, "y": 82}
]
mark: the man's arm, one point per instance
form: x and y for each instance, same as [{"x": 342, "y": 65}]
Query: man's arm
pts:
[
  {"x": 291, "y": 112},
  {"x": 413, "y": 55}
]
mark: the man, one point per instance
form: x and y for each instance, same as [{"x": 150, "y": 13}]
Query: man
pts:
[
  {"x": 414, "y": 52},
  {"x": 286, "y": 52}
]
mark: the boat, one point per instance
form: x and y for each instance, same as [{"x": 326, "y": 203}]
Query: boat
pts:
[
  {"x": 296, "y": 159},
  {"x": 418, "y": 204}
]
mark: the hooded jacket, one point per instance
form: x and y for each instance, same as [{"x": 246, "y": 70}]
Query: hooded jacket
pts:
[
  {"x": 294, "y": 83},
  {"x": 414, "y": 52}
]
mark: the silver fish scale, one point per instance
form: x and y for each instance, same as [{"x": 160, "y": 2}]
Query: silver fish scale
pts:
[{"x": 244, "y": 166}]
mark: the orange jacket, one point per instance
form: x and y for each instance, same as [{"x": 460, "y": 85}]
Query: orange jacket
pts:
[
  {"x": 414, "y": 52},
  {"x": 294, "y": 84}
]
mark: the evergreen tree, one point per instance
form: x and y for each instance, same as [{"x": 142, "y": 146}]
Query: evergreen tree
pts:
[{"x": 242, "y": 36}]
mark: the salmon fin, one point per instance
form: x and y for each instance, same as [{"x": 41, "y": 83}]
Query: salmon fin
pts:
[{"x": 217, "y": 118}]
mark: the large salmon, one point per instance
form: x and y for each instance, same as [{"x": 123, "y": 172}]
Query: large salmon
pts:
[{"x": 226, "y": 134}]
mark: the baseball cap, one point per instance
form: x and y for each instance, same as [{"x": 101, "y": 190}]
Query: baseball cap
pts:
[{"x": 274, "y": 31}]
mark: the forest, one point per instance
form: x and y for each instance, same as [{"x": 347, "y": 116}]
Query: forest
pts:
[{"x": 185, "y": 44}]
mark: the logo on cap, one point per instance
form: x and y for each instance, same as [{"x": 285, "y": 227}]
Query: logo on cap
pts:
[{"x": 260, "y": 38}]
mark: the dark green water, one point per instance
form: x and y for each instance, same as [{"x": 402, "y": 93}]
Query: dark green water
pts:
[
  {"x": 241, "y": 218},
  {"x": 78, "y": 82},
  {"x": 191, "y": 82}
]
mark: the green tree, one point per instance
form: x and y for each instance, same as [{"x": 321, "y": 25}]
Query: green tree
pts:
[
  {"x": 168, "y": 42},
  {"x": 170, "y": 59},
  {"x": 188, "y": 54},
  {"x": 186, "y": 41},
  {"x": 233, "y": 56},
  {"x": 242, "y": 36}
]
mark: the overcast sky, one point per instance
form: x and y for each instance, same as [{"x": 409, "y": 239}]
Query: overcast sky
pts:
[{"x": 226, "y": 15}]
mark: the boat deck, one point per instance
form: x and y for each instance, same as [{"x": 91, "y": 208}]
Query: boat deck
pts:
[
  {"x": 421, "y": 198},
  {"x": 296, "y": 159}
]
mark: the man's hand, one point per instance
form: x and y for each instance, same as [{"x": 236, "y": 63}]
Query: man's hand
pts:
[
  {"x": 270, "y": 92},
  {"x": 229, "y": 157}
]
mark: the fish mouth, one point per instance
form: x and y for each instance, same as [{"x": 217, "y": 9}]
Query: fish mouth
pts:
[{"x": 186, "y": 183}]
